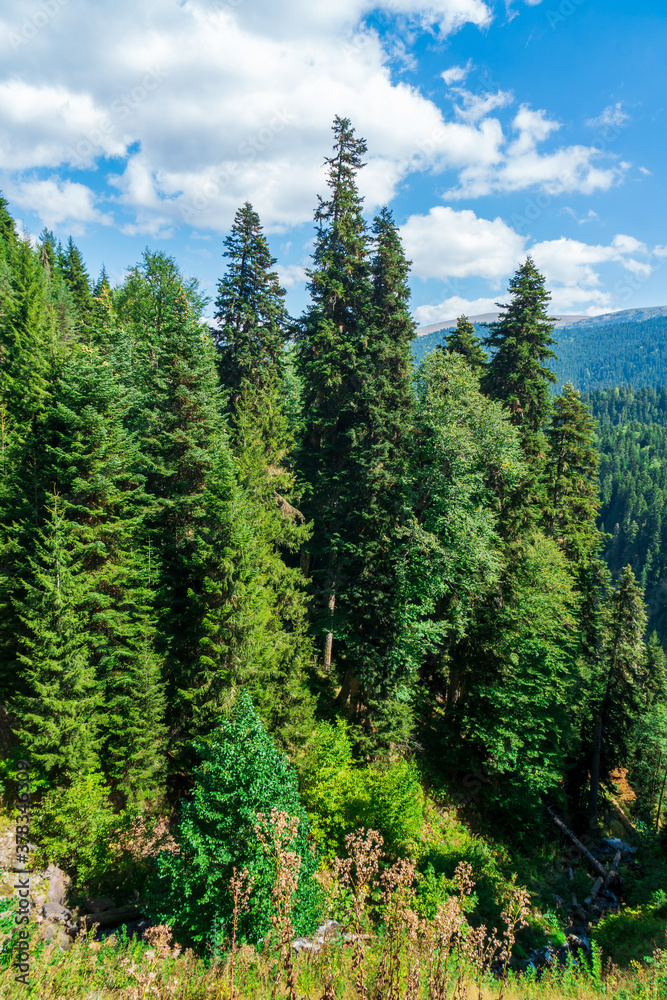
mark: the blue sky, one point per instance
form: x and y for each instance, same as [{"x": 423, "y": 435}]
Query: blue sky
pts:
[{"x": 494, "y": 129}]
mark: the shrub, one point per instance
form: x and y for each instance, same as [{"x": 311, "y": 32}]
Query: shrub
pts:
[
  {"x": 342, "y": 796},
  {"x": 242, "y": 774}
]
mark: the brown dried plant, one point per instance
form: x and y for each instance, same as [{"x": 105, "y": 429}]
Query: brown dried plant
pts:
[
  {"x": 439, "y": 937},
  {"x": 517, "y": 907},
  {"x": 240, "y": 887},
  {"x": 480, "y": 949},
  {"x": 401, "y": 936},
  {"x": 358, "y": 875},
  {"x": 277, "y": 835}
]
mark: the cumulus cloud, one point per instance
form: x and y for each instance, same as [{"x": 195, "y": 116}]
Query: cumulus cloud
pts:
[
  {"x": 197, "y": 106},
  {"x": 456, "y": 74},
  {"x": 522, "y": 165},
  {"x": 452, "y": 308},
  {"x": 449, "y": 244},
  {"x": 57, "y": 201},
  {"x": 613, "y": 116}
]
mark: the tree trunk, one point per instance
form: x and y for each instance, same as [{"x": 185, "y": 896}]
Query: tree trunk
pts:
[
  {"x": 328, "y": 641},
  {"x": 662, "y": 791},
  {"x": 595, "y": 772}
]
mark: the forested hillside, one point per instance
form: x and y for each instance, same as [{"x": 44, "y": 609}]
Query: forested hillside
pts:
[
  {"x": 632, "y": 439},
  {"x": 601, "y": 352},
  {"x": 269, "y": 584}
]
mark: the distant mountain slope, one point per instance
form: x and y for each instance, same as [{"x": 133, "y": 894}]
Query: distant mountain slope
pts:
[{"x": 623, "y": 348}]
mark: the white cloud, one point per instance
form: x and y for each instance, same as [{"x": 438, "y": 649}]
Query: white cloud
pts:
[
  {"x": 522, "y": 165},
  {"x": 450, "y": 244},
  {"x": 613, "y": 116},
  {"x": 456, "y": 74},
  {"x": 57, "y": 201},
  {"x": 453, "y": 307},
  {"x": 645, "y": 171},
  {"x": 291, "y": 275},
  {"x": 475, "y": 106},
  {"x": 208, "y": 104}
]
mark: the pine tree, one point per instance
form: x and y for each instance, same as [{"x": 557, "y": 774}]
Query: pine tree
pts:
[
  {"x": 26, "y": 367},
  {"x": 331, "y": 342},
  {"x": 517, "y": 374},
  {"x": 463, "y": 340},
  {"x": 251, "y": 314},
  {"x": 619, "y": 691},
  {"x": 8, "y": 233},
  {"x": 73, "y": 270},
  {"x": 93, "y": 461},
  {"x": 655, "y": 681},
  {"x": 253, "y": 324},
  {"x": 58, "y": 715},
  {"x": 571, "y": 477}
]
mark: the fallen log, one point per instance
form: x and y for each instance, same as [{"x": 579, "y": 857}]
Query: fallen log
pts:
[
  {"x": 595, "y": 890},
  {"x": 111, "y": 918},
  {"x": 585, "y": 853},
  {"x": 613, "y": 871}
]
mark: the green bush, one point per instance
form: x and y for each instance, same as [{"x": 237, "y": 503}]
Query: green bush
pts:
[
  {"x": 242, "y": 773},
  {"x": 76, "y": 828},
  {"x": 634, "y": 933},
  {"x": 341, "y": 796}
]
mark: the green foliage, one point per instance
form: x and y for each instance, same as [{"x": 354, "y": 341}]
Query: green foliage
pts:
[
  {"x": 523, "y": 664},
  {"x": 462, "y": 340},
  {"x": 518, "y": 373},
  {"x": 241, "y": 774},
  {"x": 342, "y": 795},
  {"x": 76, "y": 828},
  {"x": 571, "y": 477},
  {"x": 251, "y": 314},
  {"x": 634, "y": 933}
]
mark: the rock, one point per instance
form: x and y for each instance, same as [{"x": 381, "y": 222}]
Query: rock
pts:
[
  {"x": 99, "y": 905},
  {"x": 303, "y": 944},
  {"x": 54, "y": 911},
  {"x": 51, "y": 933},
  {"x": 111, "y": 918},
  {"x": 58, "y": 884},
  {"x": 620, "y": 845}
]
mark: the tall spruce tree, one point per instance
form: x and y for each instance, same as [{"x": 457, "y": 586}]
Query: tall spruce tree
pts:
[
  {"x": 58, "y": 715},
  {"x": 517, "y": 373},
  {"x": 463, "y": 340},
  {"x": 94, "y": 461},
  {"x": 250, "y": 310},
  {"x": 253, "y": 326},
  {"x": 75, "y": 275},
  {"x": 331, "y": 342},
  {"x": 354, "y": 358},
  {"x": 619, "y": 695},
  {"x": 571, "y": 477}
]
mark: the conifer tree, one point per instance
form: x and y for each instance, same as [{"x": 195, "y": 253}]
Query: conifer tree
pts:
[
  {"x": 93, "y": 461},
  {"x": 251, "y": 312},
  {"x": 331, "y": 342},
  {"x": 571, "y": 477},
  {"x": 517, "y": 373},
  {"x": 619, "y": 694},
  {"x": 253, "y": 327},
  {"x": 59, "y": 713},
  {"x": 8, "y": 233},
  {"x": 26, "y": 365},
  {"x": 463, "y": 340},
  {"x": 73, "y": 270},
  {"x": 354, "y": 356}
]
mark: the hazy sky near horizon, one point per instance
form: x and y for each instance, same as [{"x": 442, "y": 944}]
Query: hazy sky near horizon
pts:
[{"x": 494, "y": 127}]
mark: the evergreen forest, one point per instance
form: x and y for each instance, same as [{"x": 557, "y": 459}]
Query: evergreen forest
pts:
[{"x": 295, "y": 628}]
